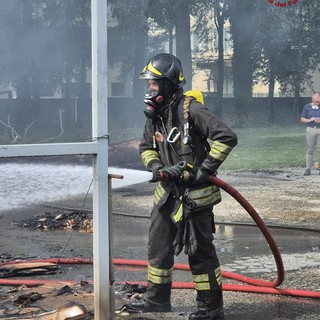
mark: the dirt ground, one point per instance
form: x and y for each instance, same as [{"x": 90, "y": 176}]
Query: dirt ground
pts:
[{"x": 282, "y": 197}]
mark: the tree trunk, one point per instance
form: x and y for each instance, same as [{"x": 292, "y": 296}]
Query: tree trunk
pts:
[
  {"x": 219, "y": 22},
  {"x": 242, "y": 30},
  {"x": 297, "y": 83},
  {"x": 141, "y": 41},
  {"x": 271, "y": 97},
  {"x": 183, "y": 41}
]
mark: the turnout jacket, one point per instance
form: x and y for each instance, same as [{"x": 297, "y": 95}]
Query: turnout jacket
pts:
[{"x": 163, "y": 141}]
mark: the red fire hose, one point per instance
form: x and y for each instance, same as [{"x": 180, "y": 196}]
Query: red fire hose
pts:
[
  {"x": 257, "y": 285},
  {"x": 262, "y": 226}
]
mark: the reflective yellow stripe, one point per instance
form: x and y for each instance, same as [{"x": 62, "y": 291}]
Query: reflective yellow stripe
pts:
[
  {"x": 177, "y": 217},
  {"x": 159, "y": 280},
  {"x": 158, "y": 193},
  {"x": 205, "y": 196},
  {"x": 202, "y": 286},
  {"x": 201, "y": 277},
  {"x": 181, "y": 76},
  {"x": 203, "y": 192},
  {"x": 201, "y": 281},
  {"x": 160, "y": 272},
  {"x": 149, "y": 155},
  {"x": 152, "y": 69},
  {"x": 219, "y": 151},
  {"x": 159, "y": 276},
  {"x": 218, "y": 275}
]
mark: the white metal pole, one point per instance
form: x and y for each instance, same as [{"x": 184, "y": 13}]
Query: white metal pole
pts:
[{"x": 103, "y": 300}]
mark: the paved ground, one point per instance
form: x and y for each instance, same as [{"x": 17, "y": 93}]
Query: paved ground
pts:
[{"x": 282, "y": 197}]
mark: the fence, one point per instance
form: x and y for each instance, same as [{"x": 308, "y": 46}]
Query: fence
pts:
[{"x": 124, "y": 112}]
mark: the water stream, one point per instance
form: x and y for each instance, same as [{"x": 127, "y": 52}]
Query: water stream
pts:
[{"x": 27, "y": 184}]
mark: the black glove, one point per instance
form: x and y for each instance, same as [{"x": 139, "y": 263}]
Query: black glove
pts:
[
  {"x": 155, "y": 167},
  {"x": 201, "y": 176},
  {"x": 172, "y": 173},
  {"x": 185, "y": 237}
]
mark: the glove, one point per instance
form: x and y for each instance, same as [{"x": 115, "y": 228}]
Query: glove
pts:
[
  {"x": 155, "y": 167},
  {"x": 173, "y": 173},
  {"x": 201, "y": 176},
  {"x": 185, "y": 237}
]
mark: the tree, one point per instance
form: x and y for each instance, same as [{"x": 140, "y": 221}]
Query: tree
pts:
[
  {"x": 168, "y": 15},
  {"x": 219, "y": 21},
  {"x": 242, "y": 19},
  {"x": 287, "y": 40},
  {"x": 45, "y": 42}
]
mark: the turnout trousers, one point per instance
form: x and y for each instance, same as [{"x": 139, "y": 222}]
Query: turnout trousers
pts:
[{"x": 204, "y": 264}]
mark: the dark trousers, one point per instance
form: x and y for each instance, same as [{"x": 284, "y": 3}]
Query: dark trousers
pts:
[{"x": 162, "y": 233}]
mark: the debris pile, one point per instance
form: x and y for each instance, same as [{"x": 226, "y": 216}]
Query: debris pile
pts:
[
  {"x": 50, "y": 302},
  {"x": 75, "y": 220},
  {"x": 20, "y": 268}
]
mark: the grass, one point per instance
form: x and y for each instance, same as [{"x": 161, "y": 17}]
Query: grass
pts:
[
  {"x": 257, "y": 149},
  {"x": 270, "y": 147}
]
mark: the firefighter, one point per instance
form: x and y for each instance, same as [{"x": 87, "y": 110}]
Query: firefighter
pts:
[{"x": 175, "y": 141}]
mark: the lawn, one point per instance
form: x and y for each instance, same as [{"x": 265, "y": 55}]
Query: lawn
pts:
[
  {"x": 258, "y": 148},
  {"x": 270, "y": 147}
]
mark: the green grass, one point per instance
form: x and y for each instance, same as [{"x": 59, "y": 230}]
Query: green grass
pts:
[
  {"x": 257, "y": 149},
  {"x": 272, "y": 147}
]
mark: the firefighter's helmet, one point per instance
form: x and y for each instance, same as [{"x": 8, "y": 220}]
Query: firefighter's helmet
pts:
[{"x": 164, "y": 65}]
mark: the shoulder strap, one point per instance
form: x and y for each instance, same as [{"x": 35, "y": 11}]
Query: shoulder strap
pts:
[{"x": 186, "y": 106}]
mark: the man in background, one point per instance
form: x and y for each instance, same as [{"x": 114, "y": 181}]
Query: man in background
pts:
[{"x": 311, "y": 117}]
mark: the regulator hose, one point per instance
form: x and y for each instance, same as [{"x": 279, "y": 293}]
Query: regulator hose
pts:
[{"x": 257, "y": 285}]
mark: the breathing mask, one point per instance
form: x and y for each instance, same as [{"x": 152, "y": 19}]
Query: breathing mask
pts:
[{"x": 155, "y": 101}]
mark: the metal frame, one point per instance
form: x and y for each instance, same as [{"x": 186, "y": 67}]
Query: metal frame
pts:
[{"x": 103, "y": 273}]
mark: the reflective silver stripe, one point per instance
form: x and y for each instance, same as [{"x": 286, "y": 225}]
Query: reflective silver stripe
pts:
[
  {"x": 149, "y": 155},
  {"x": 159, "y": 276},
  {"x": 205, "y": 196},
  {"x": 219, "y": 150}
]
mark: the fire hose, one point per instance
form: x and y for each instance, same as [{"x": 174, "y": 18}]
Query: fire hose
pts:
[{"x": 256, "y": 285}]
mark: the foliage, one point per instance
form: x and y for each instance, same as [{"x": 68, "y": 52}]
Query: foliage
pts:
[
  {"x": 44, "y": 43},
  {"x": 279, "y": 40}
]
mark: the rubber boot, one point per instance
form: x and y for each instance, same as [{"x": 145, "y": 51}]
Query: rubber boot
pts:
[
  {"x": 210, "y": 306},
  {"x": 204, "y": 312},
  {"x": 143, "y": 306}
]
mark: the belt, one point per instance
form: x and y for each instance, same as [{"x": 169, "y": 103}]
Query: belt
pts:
[{"x": 315, "y": 127}]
